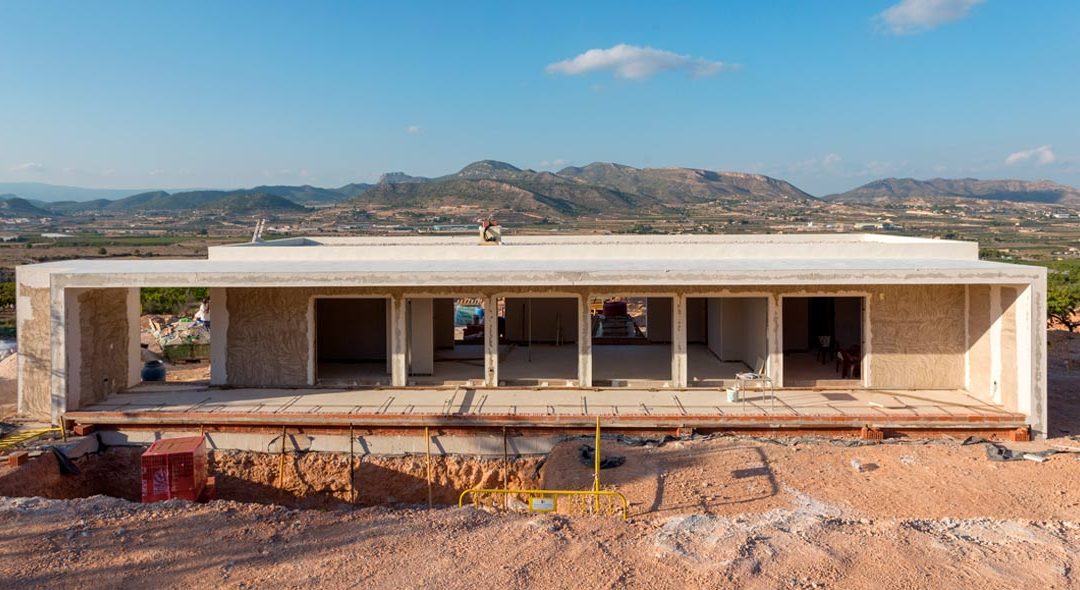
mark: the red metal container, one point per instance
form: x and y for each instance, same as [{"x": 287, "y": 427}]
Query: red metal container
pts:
[{"x": 174, "y": 468}]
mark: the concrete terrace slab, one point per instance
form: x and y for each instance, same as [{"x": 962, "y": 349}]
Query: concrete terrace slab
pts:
[{"x": 701, "y": 408}]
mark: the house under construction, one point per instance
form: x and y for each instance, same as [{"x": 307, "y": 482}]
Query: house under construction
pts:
[{"x": 541, "y": 334}]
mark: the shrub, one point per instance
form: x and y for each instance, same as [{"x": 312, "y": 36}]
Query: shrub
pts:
[{"x": 174, "y": 300}]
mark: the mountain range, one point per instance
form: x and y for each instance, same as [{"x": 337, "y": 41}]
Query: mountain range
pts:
[
  {"x": 1024, "y": 191},
  {"x": 595, "y": 189}
]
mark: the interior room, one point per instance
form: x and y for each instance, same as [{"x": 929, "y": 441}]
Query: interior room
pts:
[
  {"x": 823, "y": 341},
  {"x": 631, "y": 341},
  {"x": 445, "y": 340},
  {"x": 725, "y": 336},
  {"x": 538, "y": 341},
  {"x": 352, "y": 341}
]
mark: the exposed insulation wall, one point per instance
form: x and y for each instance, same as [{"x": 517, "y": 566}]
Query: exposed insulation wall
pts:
[
  {"x": 103, "y": 342},
  {"x": 917, "y": 337},
  {"x": 268, "y": 337},
  {"x": 979, "y": 362},
  {"x": 35, "y": 355}
]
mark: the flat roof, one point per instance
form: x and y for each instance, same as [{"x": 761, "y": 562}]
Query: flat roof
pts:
[
  {"x": 599, "y": 247},
  {"x": 525, "y": 273}
]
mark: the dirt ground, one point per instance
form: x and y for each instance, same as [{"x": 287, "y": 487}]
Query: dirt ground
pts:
[
  {"x": 721, "y": 512},
  {"x": 705, "y": 514}
]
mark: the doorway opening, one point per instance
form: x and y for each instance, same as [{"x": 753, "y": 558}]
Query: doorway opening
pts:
[
  {"x": 725, "y": 336},
  {"x": 538, "y": 341},
  {"x": 631, "y": 338},
  {"x": 352, "y": 341},
  {"x": 823, "y": 341},
  {"x": 446, "y": 340}
]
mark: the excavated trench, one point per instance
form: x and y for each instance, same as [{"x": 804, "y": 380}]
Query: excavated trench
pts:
[{"x": 310, "y": 480}]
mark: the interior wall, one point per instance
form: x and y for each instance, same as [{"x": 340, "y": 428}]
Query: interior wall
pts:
[
  {"x": 351, "y": 329},
  {"x": 659, "y": 317},
  {"x": 714, "y": 326},
  {"x": 979, "y": 363},
  {"x": 796, "y": 324},
  {"x": 697, "y": 320},
  {"x": 1008, "y": 347},
  {"x": 847, "y": 321},
  {"x": 744, "y": 330},
  {"x": 443, "y": 323},
  {"x": 553, "y": 318}
]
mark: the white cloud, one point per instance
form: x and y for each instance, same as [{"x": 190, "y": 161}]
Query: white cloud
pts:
[
  {"x": 556, "y": 163},
  {"x": 1041, "y": 155},
  {"x": 915, "y": 16},
  {"x": 413, "y": 129},
  {"x": 636, "y": 63},
  {"x": 28, "y": 167}
]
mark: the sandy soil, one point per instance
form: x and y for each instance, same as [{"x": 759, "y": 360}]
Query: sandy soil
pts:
[
  {"x": 706, "y": 513},
  {"x": 723, "y": 512}
]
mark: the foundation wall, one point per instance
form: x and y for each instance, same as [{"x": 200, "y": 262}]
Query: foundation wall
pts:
[
  {"x": 103, "y": 344},
  {"x": 35, "y": 353}
]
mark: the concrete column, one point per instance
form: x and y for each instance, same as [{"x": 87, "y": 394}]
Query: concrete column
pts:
[
  {"x": 66, "y": 352},
  {"x": 399, "y": 370},
  {"x": 60, "y": 300},
  {"x": 678, "y": 341},
  {"x": 219, "y": 338},
  {"x": 1036, "y": 347},
  {"x": 491, "y": 341},
  {"x": 584, "y": 339},
  {"x": 421, "y": 338},
  {"x": 775, "y": 366},
  {"x": 134, "y": 315}
]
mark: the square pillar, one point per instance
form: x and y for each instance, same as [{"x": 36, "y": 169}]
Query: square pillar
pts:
[
  {"x": 584, "y": 339},
  {"x": 399, "y": 370},
  {"x": 134, "y": 350},
  {"x": 678, "y": 341},
  {"x": 491, "y": 341},
  {"x": 219, "y": 338},
  {"x": 774, "y": 366}
]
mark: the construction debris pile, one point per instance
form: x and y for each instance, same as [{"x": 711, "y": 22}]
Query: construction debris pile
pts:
[{"x": 177, "y": 338}]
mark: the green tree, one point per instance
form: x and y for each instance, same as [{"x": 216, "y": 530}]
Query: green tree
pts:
[
  {"x": 174, "y": 300},
  {"x": 1063, "y": 299},
  {"x": 7, "y": 295}
]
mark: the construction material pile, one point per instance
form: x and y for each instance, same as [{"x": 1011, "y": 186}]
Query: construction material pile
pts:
[{"x": 180, "y": 338}]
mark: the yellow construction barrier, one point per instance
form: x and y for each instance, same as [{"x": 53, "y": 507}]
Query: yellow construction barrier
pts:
[
  {"x": 17, "y": 438},
  {"x": 607, "y": 502},
  {"x": 603, "y": 501}
]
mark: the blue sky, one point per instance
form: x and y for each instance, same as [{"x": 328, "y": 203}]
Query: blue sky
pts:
[{"x": 826, "y": 94}]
